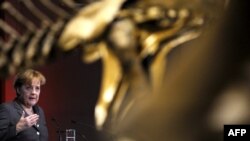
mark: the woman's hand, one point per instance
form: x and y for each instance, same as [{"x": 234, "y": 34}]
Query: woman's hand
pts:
[{"x": 26, "y": 122}]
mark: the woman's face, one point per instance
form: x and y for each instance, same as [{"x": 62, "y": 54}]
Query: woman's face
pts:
[{"x": 29, "y": 93}]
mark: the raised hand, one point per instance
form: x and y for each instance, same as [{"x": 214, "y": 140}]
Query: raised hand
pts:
[{"x": 26, "y": 122}]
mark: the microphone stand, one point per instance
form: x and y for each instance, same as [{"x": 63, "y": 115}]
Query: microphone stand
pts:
[
  {"x": 83, "y": 136},
  {"x": 110, "y": 136},
  {"x": 59, "y": 134},
  {"x": 59, "y": 131}
]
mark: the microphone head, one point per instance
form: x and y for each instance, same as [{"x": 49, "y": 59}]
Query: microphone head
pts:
[{"x": 36, "y": 109}]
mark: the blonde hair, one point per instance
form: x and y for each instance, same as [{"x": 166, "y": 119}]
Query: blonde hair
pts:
[{"x": 26, "y": 77}]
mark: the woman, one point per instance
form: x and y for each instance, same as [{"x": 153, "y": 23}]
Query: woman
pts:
[{"x": 22, "y": 119}]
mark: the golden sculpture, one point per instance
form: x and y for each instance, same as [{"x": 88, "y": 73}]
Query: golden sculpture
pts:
[
  {"x": 133, "y": 39},
  {"x": 126, "y": 46}
]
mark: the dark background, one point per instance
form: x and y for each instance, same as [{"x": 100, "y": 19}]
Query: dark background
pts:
[{"x": 72, "y": 87}]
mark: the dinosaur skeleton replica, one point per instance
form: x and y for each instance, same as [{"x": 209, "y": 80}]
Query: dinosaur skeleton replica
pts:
[{"x": 132, "y": 38}]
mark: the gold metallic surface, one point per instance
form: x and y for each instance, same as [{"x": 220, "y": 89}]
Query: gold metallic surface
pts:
[
  {"x": 159, "y": 57},
  {"x": 110, "y": 81},
  {"x": 89, "y": 23}
]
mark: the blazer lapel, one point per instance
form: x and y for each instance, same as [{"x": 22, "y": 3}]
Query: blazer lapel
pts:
[
  {"x": 20, "y": 112},
  {"x": 18, "y": 108}
]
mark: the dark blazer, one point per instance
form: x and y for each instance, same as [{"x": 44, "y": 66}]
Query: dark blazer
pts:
[{"x": 10, "y": 114}]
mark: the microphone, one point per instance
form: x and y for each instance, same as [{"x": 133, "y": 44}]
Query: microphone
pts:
[
  {"x": 84, "y": 124},
  {"x": 81, "y": 135},
  {"x": 59, "y": 131},
  {"x": 36, "y": 111},
  {"x": 107, "y": 133}
]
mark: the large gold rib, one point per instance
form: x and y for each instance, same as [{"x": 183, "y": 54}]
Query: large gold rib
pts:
[
  {"x": 32, "y": 46},
  {"x": 19, "y": 17},
  {"x": 69, "y": 3},
  {"x": 8, "y": 29},
  {"x": 50, "y": 38},
  {"x": 56, "y": 9},
  {"x": 37, "y": 12},
  {"x": 111, "y": 76},
  {"x": 18, "y": 51}
]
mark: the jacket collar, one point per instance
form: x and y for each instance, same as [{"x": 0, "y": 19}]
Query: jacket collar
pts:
[{"x": 18, "y": 107}]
